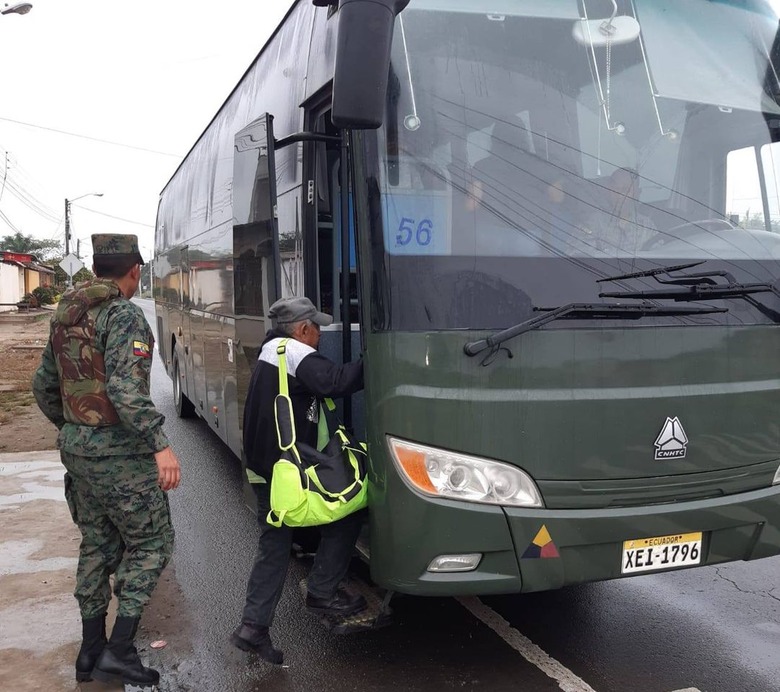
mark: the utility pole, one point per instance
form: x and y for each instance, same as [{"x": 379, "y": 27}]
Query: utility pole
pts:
[
  {"x": 67, "y": 227},
  {"x": 69, "y": 282},
  {"x": 68, "y": 202}
]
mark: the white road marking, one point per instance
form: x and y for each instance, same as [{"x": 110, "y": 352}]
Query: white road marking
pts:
[
  {"x": 689, "y": 689},
  {"x": 566, "y": 680}
]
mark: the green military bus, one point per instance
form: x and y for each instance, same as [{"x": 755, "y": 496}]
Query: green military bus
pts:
[{"x": 552, "y": 229}]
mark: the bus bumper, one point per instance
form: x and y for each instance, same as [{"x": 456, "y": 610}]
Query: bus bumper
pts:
[
  {"x": 527, "y": 550},
  {"x": 588, "y": 544},
  {"x": 408, "y": 531}
]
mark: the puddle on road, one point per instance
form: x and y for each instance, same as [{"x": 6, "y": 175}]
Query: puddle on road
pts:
[
  {"x": 14, "y": 558},
  {"x": 53, "y": 469},
  {"x": 16, "y": 468},
  {"x": 31, "y": 476}
]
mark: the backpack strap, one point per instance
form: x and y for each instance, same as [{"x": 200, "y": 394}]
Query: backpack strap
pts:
[
  {"x": 276, "y": 518},
  {"x": 283, "y": 409},
  {"x": 324, "y": 424},
  {"x": 281, "y": 351}
]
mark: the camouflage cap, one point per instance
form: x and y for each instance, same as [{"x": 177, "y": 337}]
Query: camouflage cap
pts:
[{"x": 113, "y": 244}]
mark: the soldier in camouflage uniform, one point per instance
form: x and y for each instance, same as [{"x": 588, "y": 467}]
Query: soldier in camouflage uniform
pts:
[{"x": 93, "y": 384}]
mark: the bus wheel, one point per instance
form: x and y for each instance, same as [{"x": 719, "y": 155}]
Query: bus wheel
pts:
[{"x": 184, "y": 407}]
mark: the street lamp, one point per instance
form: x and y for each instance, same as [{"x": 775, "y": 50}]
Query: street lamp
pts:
[
  {"x": 68, "y": 202},
  {"x": 18, "y": 8}
]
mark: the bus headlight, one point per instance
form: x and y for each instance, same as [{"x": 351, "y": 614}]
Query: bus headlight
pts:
[{"x": 462, "y": 477}]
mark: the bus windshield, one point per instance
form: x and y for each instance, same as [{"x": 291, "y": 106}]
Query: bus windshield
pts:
[{"x": 531, "y": 148}]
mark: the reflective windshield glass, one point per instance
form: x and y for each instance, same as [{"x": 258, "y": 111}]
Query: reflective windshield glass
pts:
[{"x": 575, "y": 138}]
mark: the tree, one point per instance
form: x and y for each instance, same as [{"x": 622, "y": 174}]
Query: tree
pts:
[{"x": 43, "y": 249}]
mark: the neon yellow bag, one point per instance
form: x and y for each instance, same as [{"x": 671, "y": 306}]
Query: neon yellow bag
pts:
[{"x": 311, "y": 487}]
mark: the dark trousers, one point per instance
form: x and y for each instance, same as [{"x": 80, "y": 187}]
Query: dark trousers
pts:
[{"x": 266, "y": 580}]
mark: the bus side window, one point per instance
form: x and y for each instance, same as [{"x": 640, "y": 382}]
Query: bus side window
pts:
[{"x": 253, "y": 228}]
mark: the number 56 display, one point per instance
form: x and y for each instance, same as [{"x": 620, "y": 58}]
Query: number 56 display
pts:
[{"x": 417, "y": 224}]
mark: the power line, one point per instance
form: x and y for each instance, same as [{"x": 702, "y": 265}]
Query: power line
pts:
[
  {"x": 93, "y": 139},
  {"x": 20, "y": 184},
  {"x": 110, "y": 216},
  {"x": 29, "y": 201},
  {"x": 5, "y": 175},
  {"x": 12, "y": 160},
  {"x": 8, "y": 221},
  {"x": 33, "y": 187}
]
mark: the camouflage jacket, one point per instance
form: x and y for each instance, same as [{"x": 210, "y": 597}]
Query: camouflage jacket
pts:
[{"x": 93, "y": 381}]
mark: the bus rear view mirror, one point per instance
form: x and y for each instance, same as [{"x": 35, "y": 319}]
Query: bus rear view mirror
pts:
[
  {"x": 601, "y": 32},
  {"x": 363, "y": 61}
]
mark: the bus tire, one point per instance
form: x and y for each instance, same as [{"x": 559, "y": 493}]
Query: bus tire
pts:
[{"x": 184, "y": 407}]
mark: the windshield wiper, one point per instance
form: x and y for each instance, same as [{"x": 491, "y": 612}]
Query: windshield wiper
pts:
[
  {"x": 695, "y": 286},
  {"x": 693, "y": 279},
  {"x": 653, "y": 272},
  {"x": 699, "y": 291},
  {"x": 586, "y": 311}
]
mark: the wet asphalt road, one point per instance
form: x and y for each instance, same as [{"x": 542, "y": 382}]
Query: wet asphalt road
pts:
[{"x": 711, "y": 629}]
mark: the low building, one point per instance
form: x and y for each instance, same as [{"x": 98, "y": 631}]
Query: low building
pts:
[{"x": 20, "y": 273}]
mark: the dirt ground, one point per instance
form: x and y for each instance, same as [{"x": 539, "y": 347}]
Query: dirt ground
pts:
[{"x": 23, "y": 428}]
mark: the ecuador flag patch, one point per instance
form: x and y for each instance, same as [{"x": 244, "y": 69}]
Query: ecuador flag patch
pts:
[{"x": 141, "y": 349}]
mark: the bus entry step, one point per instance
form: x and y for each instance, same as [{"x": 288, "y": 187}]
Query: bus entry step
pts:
[{"x": 375, "y": 616}]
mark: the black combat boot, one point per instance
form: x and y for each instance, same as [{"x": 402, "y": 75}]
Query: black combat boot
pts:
[
  {"x": 119, "y": 661},
  {"x": 256, "y": 639},
  {"x": 93, "y": 639}
]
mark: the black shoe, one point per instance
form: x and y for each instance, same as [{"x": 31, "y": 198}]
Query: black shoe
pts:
[
  {"x": 256, "y": 640},
  {"x": 92, "y": 643},
  {"x": 119, "y": 661},
  {"x": 340, "y": 603}
]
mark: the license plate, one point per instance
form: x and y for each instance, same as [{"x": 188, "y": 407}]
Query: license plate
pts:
[{"x": 661, "y": 552}]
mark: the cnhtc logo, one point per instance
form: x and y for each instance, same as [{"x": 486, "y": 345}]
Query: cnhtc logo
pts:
[{"x": 671, "y": 441}]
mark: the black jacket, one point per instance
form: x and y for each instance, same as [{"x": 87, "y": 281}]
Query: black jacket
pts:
[{"x": 310, "y": 378}]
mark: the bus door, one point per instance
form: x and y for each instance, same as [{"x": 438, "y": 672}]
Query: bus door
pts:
[{"x": 323, "y": 254}]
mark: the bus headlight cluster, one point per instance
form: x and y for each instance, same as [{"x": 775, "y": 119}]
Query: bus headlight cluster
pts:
[{"x": 462, "y": 477}]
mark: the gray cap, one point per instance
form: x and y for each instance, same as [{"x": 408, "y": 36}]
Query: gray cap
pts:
[{"x": 289, "y": 310}]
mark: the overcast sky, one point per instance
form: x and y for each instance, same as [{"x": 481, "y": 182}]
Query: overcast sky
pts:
[{"x": 147, "y": 76}]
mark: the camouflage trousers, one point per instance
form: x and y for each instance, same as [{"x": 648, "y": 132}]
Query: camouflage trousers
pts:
[{"x": 126, "y": 530}]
